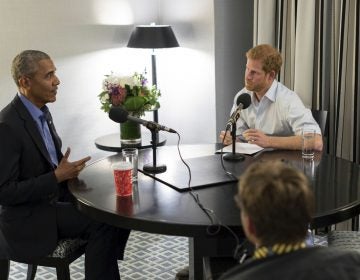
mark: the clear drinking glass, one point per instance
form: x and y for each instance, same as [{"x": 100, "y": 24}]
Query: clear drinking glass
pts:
[
  {"x": 308, "y": 142},
  {"x": 131, "y": 155}
]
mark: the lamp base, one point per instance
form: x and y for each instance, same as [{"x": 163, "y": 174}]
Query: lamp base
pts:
[
  {"x": 233, "y": 157},
  {"x": 154, "y": 169}
]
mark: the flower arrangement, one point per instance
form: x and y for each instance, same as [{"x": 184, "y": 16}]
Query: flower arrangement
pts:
[{"x": 130, "y": 92}]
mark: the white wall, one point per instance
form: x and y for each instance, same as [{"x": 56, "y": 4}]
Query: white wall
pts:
[{"x": 87, "y": 39}]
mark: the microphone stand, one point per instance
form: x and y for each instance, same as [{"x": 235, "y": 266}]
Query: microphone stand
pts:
[
  {"x": 154, "y": 168},
  {"x": 233, "y": 156}
]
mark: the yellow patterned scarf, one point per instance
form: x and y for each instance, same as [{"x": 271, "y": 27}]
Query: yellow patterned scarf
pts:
[{"x": 277, "y": 249}]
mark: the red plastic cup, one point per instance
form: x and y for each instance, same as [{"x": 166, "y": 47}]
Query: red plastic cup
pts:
[
  {"x": 123, "y": 178},
  {"x": 125, "y": 205}
]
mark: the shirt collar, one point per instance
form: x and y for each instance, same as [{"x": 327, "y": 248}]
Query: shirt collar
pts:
[
  {"x": 271, "y": 93},
  {"x": 34, "y": 111}
]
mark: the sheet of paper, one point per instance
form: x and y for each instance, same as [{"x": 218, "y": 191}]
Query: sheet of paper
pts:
[{"x": 243, "y": 148}]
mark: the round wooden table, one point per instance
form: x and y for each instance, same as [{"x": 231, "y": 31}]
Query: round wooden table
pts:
[{"x": 160, "y": 208}]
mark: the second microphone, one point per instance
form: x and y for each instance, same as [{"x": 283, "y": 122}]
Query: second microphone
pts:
[{"x": 119, "y": 115}]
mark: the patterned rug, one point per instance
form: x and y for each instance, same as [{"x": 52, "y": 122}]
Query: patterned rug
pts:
[{"x": 147, "y": 256}]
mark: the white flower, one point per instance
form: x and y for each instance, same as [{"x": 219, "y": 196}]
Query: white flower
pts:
[
  {"x": 105, "y": 98},
  {"x": 109, "y": 82},
  {"x": 129, "y": 80}
]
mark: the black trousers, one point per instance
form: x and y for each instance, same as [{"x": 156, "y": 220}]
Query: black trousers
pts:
[{"x": 105, "y": 245}]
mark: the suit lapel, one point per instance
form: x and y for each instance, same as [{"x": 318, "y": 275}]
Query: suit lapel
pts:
[{"x": 31, "y": 127}]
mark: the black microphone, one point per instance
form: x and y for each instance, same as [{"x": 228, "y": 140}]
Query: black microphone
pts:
[
  {"x": 119, "y": 115},
  {"x": 243, "y": 101}
]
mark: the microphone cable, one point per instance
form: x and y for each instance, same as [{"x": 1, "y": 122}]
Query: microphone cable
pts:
[
  {"x": 216, "y": 224},
  {"x": 222, "y": 159}
]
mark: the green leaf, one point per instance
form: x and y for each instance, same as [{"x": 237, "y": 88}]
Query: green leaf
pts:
[
  {"x": 134, "y": 103},
  {"x": 103, "y": 93}
]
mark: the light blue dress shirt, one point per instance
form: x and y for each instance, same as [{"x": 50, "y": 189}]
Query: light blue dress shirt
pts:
[{"x": 279, "y": 113}]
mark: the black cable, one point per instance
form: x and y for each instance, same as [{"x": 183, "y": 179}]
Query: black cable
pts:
[
  {"x": 216, "y": 224},
  {"x": 222, "y": 160}
]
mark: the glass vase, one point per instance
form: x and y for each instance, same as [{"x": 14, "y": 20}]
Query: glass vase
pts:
[{"x": 130, "y": 133}]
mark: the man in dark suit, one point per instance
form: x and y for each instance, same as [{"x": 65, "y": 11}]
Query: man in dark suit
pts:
[
  {"x": 35, "y": 202},
  {"x": 276, "y": 204}
]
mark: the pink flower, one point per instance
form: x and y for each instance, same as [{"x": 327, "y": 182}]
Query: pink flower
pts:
[{"x": 118, "y": 96}]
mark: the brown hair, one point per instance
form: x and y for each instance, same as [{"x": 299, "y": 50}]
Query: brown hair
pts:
[
  {"x": 278, "y": 200},
  {"x": 269, "y": 56},
  {"x": 26, "y": 64}
]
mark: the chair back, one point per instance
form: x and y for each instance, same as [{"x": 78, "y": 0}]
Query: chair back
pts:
[
  {"x": 320, "y": 117},
  {"x": 66, "y": 251}
]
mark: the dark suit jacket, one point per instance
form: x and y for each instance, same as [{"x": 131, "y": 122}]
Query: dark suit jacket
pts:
[
  {"x": 318, "y": 263},
  {"x": 28, "y": 186}
]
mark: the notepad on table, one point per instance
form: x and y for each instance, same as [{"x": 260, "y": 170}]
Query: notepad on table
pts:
[{"x": 242, "y": 148}]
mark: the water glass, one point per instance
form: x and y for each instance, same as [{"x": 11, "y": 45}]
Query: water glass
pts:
[
  {"x": 131, "y": 155},
  {"x": 308, "y": 142}
]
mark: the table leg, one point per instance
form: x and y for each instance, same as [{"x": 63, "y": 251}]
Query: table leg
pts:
[
  {"x": 196, "y": 254},
  {"x": 355, "y": 223}
]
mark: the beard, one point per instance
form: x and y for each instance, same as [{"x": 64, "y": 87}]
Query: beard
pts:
[
  {"x": 249, "y": 86},
  {"x": 254, "y": 87}
]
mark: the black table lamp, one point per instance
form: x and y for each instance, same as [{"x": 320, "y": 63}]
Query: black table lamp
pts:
[{"x": 153, "y": 37}]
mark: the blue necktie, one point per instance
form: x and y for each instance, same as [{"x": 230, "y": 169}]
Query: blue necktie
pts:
[{"x": 48, "y": 139}]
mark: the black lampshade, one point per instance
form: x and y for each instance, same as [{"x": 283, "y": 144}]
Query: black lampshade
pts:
[{"x": 152, "y": 37}]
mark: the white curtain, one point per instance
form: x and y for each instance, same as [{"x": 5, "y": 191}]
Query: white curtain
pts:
[
  {"x": 292, "y": 31},
  {"x": 319, "y": 41}
]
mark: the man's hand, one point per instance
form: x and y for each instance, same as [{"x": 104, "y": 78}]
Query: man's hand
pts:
[
  {"x": 67, "y": 170},
  {"x": 292, "y": 142},
  {"x": 257, "y": 137},
  {"x": 225, "y": 138}
]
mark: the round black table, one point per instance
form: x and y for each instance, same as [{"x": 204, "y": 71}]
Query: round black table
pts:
[
  {"x": 158, "y": 208},
  {"x": 111, "y": 142}
]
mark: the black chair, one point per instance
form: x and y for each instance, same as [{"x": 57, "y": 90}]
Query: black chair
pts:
[
  {"x": 320, "y": 117},
  {"x": 214, "y": 267},
  {"x": 64, "y": 254}
]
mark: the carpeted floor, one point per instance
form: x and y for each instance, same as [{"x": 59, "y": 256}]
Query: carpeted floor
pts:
[{"x": 147, "y": 256}]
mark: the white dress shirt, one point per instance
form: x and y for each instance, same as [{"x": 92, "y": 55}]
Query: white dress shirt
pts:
[{"x": 279, "y": 113}]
